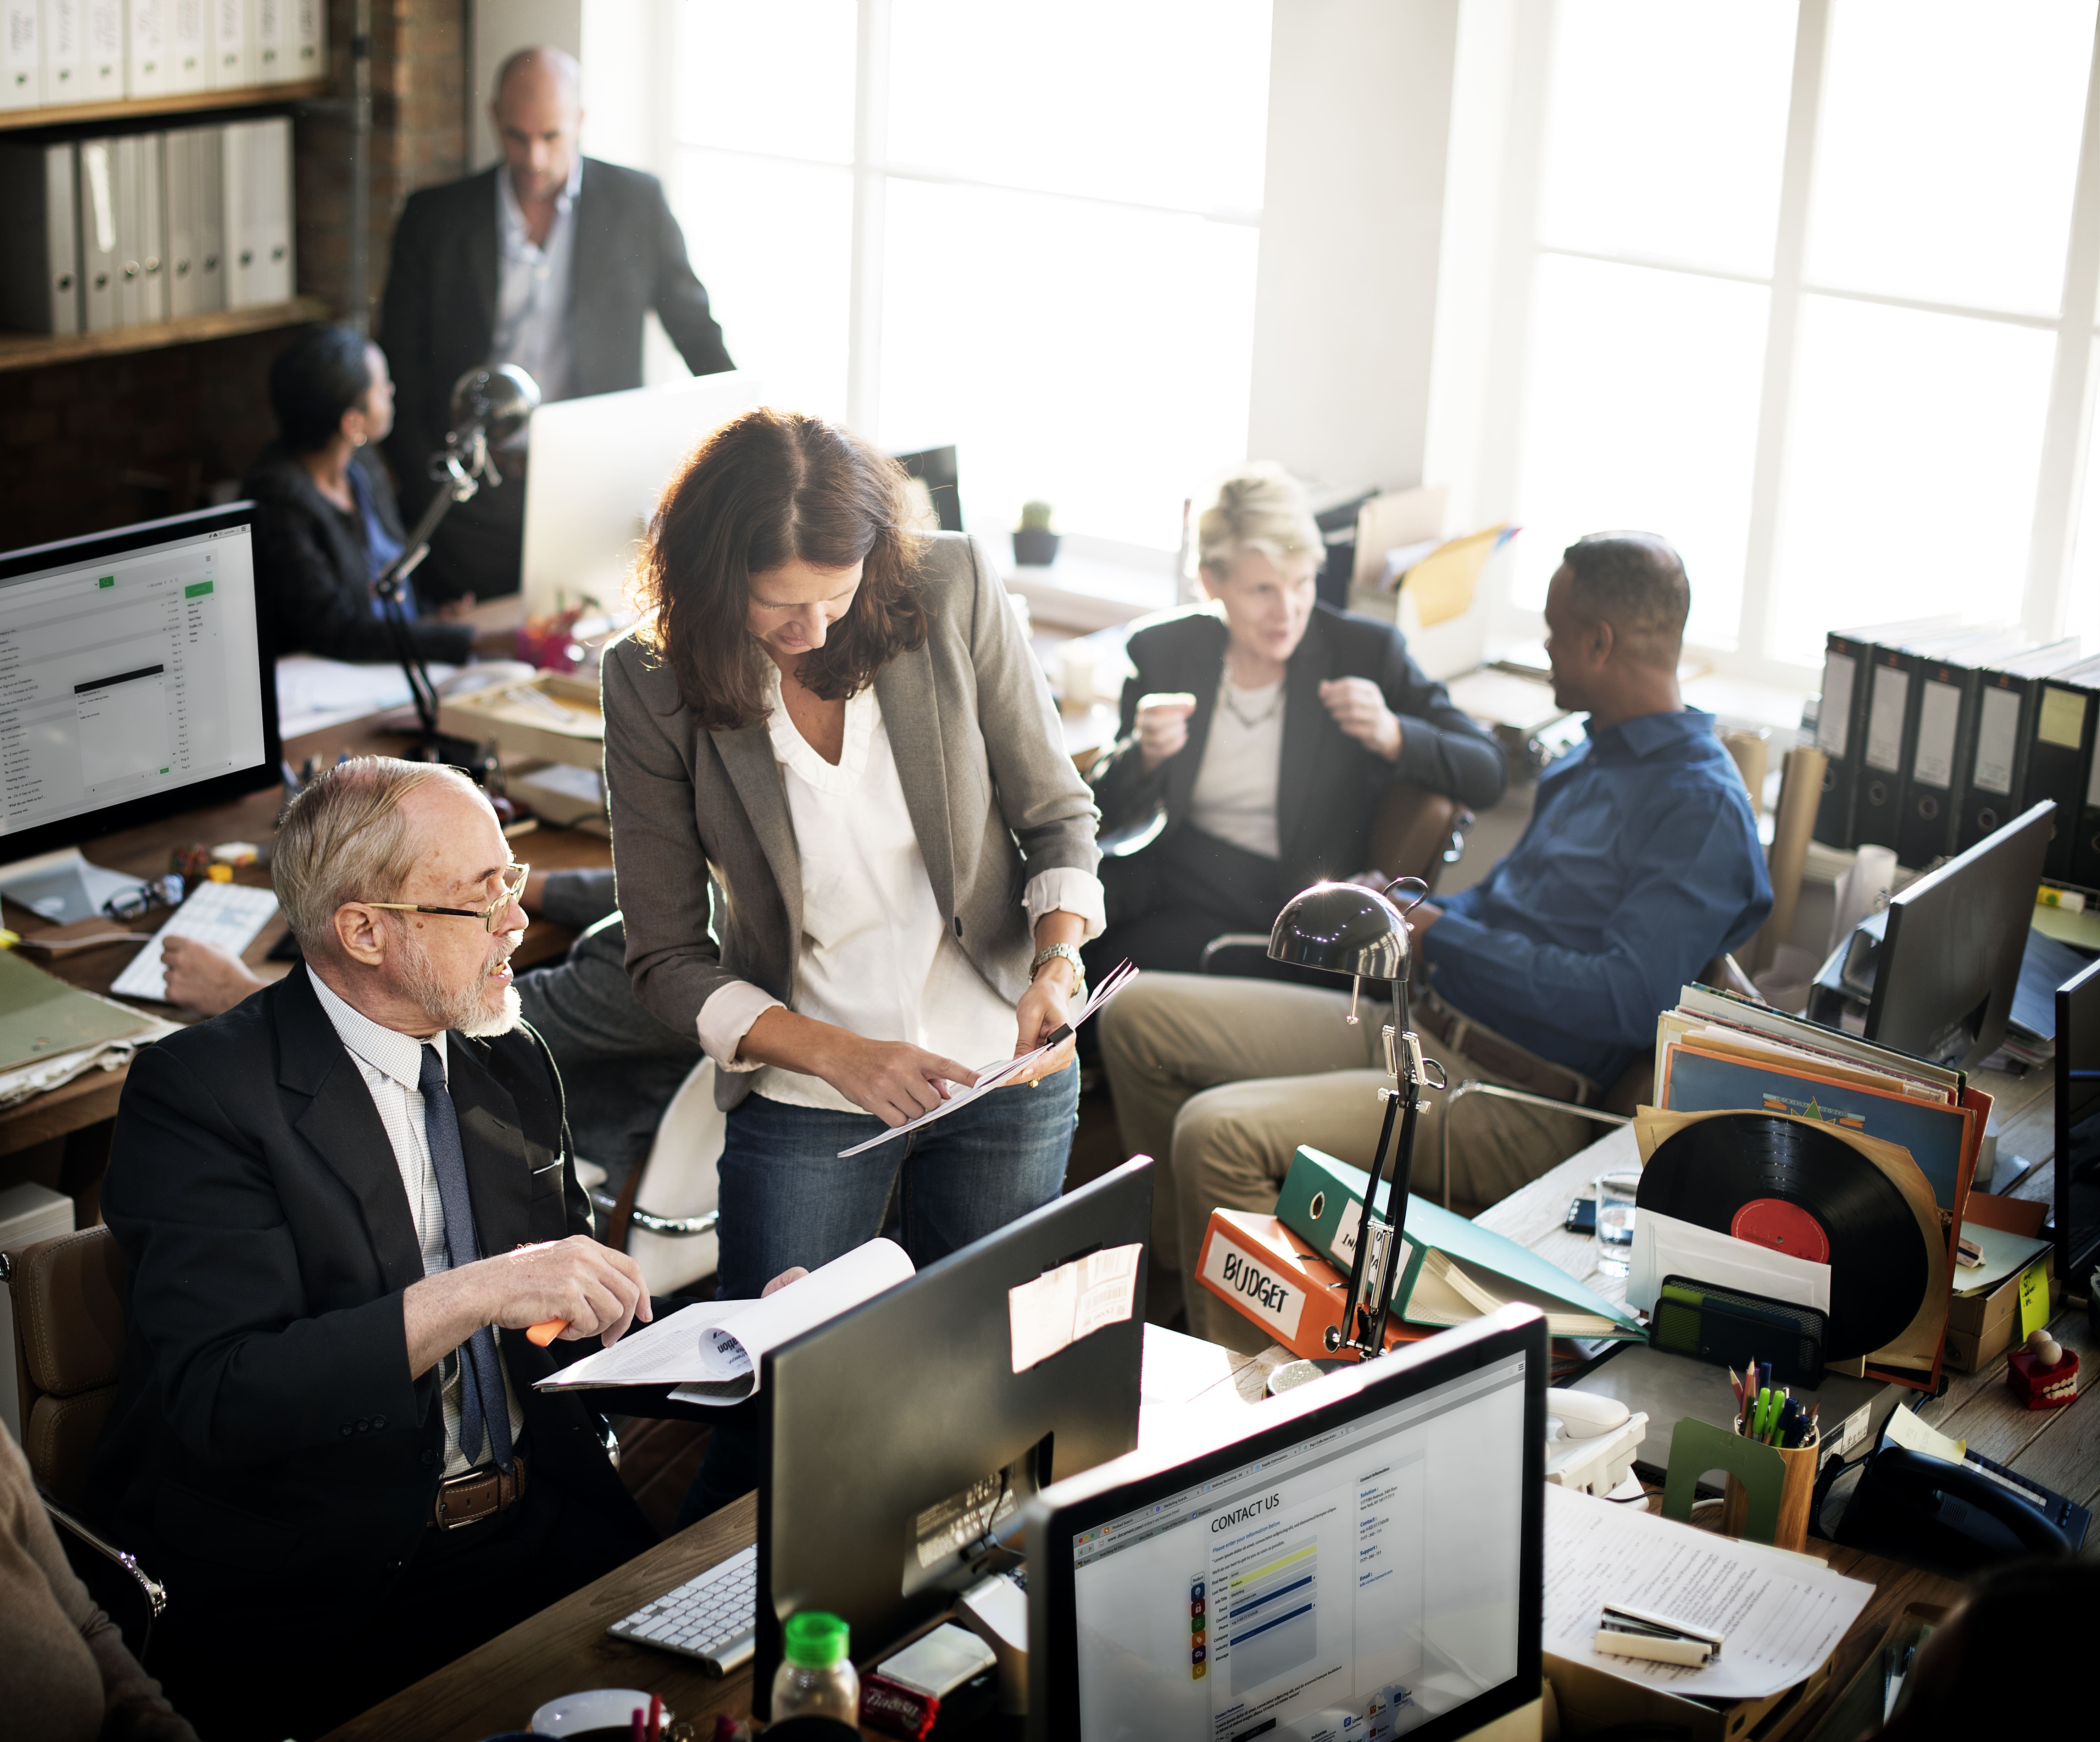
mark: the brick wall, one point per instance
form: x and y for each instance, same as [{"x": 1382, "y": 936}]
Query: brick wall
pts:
[{"x": 109, "y": 440}]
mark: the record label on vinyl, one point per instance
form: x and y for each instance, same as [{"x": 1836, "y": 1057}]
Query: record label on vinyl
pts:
[{"x": 1796, "y": 1186}]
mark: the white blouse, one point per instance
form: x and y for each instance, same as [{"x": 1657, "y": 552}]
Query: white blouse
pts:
[
  {"x": 876, "y": 957},
  {"x": 1234, "y": 796}
]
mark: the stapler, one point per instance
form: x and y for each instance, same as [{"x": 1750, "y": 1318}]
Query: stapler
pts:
[{"x": 1590, "y": 1440}]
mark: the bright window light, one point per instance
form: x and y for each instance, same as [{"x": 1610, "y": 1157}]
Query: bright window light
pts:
[
  {"x": 1642, "y": 414},
  {"x": 1667, "y": 123},
  {"x": 1909, "y": 484},
  {"x": 2083, "y": 618},
  {"x": 776, "y": 77},
  {"x": 1948, "y": 149}
]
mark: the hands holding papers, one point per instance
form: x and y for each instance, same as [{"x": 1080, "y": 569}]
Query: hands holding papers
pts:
[
  {"x": 1015, "y": 1070},
  {"x": 712, "y": 1352}
]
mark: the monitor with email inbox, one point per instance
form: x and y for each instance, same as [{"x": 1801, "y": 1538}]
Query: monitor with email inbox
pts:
[
  {"x": 1367, "y": 1564},
  {"x": 598, "y": 465},
  {"x": 133, "y": 679}
]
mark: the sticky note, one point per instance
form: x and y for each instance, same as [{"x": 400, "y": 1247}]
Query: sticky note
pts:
[
  {"x": 2062, "y": 719},
  {"x": 2034, "y": 1299}
]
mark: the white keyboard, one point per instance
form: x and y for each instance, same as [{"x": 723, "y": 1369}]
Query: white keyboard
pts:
[
  {"x": 713, "y": 1618},
  {"x": 226, "y": 914}
]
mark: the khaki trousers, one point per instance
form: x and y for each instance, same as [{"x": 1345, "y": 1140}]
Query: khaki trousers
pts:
[{"x": 1219, "y": 1081}]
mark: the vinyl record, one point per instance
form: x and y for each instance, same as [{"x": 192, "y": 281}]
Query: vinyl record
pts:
[{"x": 1801, "y": 1189}]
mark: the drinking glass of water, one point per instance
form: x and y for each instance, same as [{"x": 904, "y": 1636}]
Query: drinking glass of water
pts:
[{"x": 1614, "y": 1194}]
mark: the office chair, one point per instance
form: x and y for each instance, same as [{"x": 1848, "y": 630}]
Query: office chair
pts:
[
  {"x": 68, "y": 1300},
  {"x": 673, "y": 1240}
]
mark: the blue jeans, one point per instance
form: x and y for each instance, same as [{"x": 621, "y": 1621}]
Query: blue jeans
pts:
[{"x": 787, "y": 1199}]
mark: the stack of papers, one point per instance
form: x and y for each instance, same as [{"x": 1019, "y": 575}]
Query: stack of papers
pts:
[{"x": 2003, "y": 1254}]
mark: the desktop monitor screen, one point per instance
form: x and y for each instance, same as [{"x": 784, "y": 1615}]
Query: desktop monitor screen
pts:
[
  {"x": 132, "y": 679},
  {"x": 2078, "y": 1129},
  {"x": 1368, "y": 1564},
  {"x": 1949, "y": 964},
  {"x": 598, "y": 465},
  {"x": 900, "y": 1443}
]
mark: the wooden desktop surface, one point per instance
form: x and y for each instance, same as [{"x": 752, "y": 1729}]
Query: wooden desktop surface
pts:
[{"x": 143, "y": 852}]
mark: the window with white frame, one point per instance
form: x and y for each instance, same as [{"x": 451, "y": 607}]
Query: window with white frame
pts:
[
  {"x": 1813, "y": 295},
  {"x": 1029, "y": 232}
]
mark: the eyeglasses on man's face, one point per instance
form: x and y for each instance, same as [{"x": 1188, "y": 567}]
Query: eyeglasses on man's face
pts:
[{"x": 513, "y": 890}]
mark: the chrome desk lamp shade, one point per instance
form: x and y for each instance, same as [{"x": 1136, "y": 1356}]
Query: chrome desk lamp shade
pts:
[
  {"x": 497, "y": 402},
  {"x": 1351, "y": 928}
]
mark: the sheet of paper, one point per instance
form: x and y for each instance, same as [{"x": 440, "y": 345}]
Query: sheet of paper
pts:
[
  {"x": 1781, "y": 1616},
  {"x": 1905, "y": 1429},
  {"x": 997, "y": 1075},
  {"x": 718, "y": 1341},
  {"x": 1075, "y": 1300},
  {"x": 1665, "y": 1246},
  {"x": 2003, "y": 1254},
  {"x": 2034, "y": 1300}
]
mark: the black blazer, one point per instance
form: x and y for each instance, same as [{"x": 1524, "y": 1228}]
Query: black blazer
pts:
[
  {"x": 1328, "y": 782},
  {"x": 266, "y": 1428},
  {"x": 312, "y": 570},
  {"x": 438, "y": 319}
]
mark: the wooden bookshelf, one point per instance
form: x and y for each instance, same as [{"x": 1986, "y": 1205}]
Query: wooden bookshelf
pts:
[
  {"x": 29, "y": 350},
  {"x": 145, "y": 108}
]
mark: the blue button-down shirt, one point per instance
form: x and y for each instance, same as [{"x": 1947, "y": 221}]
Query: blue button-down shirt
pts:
[
  {"x": 532, "y": 290},
  {"x": 1640, "y": 865}
]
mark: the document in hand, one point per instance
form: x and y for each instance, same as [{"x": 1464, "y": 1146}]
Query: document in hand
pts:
[
  {"x": 1003, "y": 1071},
  {"x": 712, "y": 1352},
  {"x": 1782, "y": 1614}
]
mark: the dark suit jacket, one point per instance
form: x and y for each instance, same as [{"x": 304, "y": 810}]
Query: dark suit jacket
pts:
[
  {"x": 266, "y": 1428},
  {"x": 312, "y": 571},
  {"x": 438, "y": 319},
  {"x": 1329, "y": 783}
]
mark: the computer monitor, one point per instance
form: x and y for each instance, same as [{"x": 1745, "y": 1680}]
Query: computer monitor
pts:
[
  {"x": 133, "y": 683},
  {"x": 597, "y": 467},
  {"x": 2078, "y": 1129},
  {"x": 1368, "y": 1563},
  {"x": 1949, "y": 962},
  {"x": 900, "y": 1442},
  {"x": 935, "y": 468}
]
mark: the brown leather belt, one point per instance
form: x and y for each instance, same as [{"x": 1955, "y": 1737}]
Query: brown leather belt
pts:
[
  {"x": 479, "y": 1494},
  {"x": 1484, "y": 1046}
]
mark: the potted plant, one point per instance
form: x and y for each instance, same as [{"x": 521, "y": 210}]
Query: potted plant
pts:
[{"x": 1035, "y": 545}]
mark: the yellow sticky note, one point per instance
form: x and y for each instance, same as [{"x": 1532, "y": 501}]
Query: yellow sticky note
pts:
[
  {"x": 2062, "y": 717},
  {"x": 2034, "y": 1299}
]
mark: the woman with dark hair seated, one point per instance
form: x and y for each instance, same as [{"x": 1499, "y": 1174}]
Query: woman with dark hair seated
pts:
[
  {"x": 330, "y": 523},
  {"x": 1267, "y": 726}
]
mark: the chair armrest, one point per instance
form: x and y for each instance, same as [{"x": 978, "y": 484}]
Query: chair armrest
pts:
[
  {"x": 123, "y": 1573},
  {"x": 1218, "y": 952}
]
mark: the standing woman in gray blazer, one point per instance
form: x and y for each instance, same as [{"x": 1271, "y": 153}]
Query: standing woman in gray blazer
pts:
[{"x": 855, "y": 857}]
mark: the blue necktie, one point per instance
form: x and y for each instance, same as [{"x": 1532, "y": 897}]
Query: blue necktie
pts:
[{"x": 482, "y": 1402}]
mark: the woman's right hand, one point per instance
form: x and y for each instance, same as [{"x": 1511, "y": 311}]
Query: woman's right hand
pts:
[
  {"x": 1162, "y": 727},
  {"x": 894, "y": 1081}
]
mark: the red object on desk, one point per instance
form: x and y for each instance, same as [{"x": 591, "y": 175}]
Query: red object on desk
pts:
[
  {"x": 2042, "y": 1387},
  {"x": 898, "y": 1710}
]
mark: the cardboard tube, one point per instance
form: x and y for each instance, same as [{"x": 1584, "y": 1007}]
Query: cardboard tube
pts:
[{"x": 1800, "y": 791}]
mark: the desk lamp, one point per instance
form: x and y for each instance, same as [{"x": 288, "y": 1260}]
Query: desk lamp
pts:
[
  {"x": 488, "y": 407},
  {"x": 1349, "y": 928}
]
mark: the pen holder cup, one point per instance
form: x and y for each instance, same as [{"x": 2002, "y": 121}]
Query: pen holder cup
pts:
[{"x": 1794, "y": 1498}]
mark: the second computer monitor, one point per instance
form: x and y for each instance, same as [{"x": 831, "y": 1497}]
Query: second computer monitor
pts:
[
  {"x": 899, "y": 1437},
  {"x": 1949, "y": 962}
]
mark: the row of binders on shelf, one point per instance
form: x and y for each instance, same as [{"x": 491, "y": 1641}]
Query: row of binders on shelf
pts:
[
  {"x": 59, "y": 53},
  {"x": 145, "y": 226},
  {"x": 1937, "y": 735}
]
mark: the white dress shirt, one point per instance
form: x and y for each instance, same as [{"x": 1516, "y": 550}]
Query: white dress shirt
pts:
[
  {"x": 532, "y": 288},
  {"x": 876, "y": 957},
  {"x": 1234, "y": 796},
  {"x": 391, "y": 1064}
]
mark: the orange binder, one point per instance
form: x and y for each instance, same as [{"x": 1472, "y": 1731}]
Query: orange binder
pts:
[{"x": 1279, "y": 1283}]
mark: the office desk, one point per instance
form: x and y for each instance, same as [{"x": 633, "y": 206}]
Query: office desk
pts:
[{"x": 143, "y": 852}]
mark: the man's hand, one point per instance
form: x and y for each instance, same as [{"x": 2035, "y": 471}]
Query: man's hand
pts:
[
  {"x": 1162, "y": 726},
  {"x": 202, "y": 977},
  {"x": 1359, "y": 709},
  {"x": 455, "y": 611},
  {"x": 792, "y": 1274},
  {"x": 598, "y": 1291},
  {"x": 894, "y": 1081},
  {"x": 1044, "y": 1007}
]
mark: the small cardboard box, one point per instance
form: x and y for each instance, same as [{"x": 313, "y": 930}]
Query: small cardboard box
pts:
[
  {"x": 1591, "y": 1699},
  {"x": 1982, "y": 1327}
]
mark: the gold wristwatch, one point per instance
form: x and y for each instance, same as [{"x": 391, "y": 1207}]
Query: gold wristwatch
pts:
[{"x": 1071, "y": 955}]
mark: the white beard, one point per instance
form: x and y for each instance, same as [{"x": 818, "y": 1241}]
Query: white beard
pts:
[{"x": 459, "y": 1008}]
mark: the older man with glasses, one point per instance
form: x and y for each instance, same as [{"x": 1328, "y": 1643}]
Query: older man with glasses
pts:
[{"x": 342, "y": 1204}]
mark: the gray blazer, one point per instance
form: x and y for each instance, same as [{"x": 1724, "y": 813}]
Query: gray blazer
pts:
[{"x": 704, "y": 851}]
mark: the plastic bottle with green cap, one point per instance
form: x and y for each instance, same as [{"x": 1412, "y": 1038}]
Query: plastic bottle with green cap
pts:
[{"x": 816, "y": 1679}]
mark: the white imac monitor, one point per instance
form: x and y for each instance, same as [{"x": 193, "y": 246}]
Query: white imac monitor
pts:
[
  {"x": 598, "y": 465},
  {"x": 133, "y": 686}
]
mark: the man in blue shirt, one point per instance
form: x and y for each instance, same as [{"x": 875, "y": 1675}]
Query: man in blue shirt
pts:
[{"x": 1640, "y": 864}]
